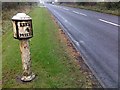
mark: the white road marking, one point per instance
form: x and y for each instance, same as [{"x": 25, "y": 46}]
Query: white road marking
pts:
[
  {"x": 65, "y": 9},
  {"x": 80, "y": 13},
  {"x": 82, "y": 42},
  {"x": 76, "y": 12},
  {"x": 110, "y": 22},
  {"x": 76, "y": 42},
  {"x": 66, "y": 21},
  {"x": 61, "y": 16},
  {"x": 83, "y": 14}
]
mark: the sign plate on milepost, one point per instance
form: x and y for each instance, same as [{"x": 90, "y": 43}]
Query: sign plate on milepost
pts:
[{"x": 24, "y": 29}]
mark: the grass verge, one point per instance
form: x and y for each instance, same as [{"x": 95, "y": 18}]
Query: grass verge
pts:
[
  {"x": 96, "y": 8},
  {"x": 51, "y": 61}
]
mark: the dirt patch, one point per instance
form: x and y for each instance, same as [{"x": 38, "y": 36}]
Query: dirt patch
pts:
[{"x": 76, "y": 56}]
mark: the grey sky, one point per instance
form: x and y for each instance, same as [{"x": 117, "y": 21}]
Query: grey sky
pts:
[{"x": 60, "y": 0}]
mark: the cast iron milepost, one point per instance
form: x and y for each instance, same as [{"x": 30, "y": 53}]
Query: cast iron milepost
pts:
[{"x": 22, "y": 28}]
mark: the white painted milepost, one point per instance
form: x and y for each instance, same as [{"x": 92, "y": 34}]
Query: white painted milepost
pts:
[{"x": 22, "y": 27}]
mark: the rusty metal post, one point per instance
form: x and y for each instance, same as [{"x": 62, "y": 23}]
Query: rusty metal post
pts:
[{"x": 26, "y": 60}]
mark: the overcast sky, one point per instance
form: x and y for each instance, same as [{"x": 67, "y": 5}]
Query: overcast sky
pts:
[
  {"x": 60, "y": 0},
  {"x": 83, "y": 0}
]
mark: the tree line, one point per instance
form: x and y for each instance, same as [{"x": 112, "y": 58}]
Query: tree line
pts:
[
  {"x": 107, "y": 5},
  {"x": 13, "y": 5}
]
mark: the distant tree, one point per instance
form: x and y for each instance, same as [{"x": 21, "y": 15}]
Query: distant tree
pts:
[
  {"x": 11, "y": 5},
  {"x": 112, "y": 5},
  {"x": 107, "y": 5}
]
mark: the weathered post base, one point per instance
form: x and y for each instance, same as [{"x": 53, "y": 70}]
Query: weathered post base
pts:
[
  {"x": 28, "y": 78},
  {"x": 26, "y": 61}
]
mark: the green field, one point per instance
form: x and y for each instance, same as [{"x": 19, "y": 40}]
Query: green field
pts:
[{"x": 52, "y": 64}]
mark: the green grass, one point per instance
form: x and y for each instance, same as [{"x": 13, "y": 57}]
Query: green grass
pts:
[
  {"x": 97, "y": 9},
  {"x": 100, "y": 9},
  {"x": 53, "y": 66}
]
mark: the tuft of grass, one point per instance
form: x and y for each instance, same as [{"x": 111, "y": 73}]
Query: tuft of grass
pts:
[{"x": 52, "y": 64}]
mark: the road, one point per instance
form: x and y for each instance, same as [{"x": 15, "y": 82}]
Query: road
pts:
[{"x": 95, "y": 35}]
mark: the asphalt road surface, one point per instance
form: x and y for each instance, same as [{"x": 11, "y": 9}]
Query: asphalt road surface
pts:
[{"x": 95, "y": 35}]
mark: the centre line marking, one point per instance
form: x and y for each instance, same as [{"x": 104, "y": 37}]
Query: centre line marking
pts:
[
  {"x": 80, "y": 13},
  {"x": 76, "y": 12},
  {"x": 65, "y": 9},
  {"x": 83, "y": 14},
  {"x": 110, "y": 22}
]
